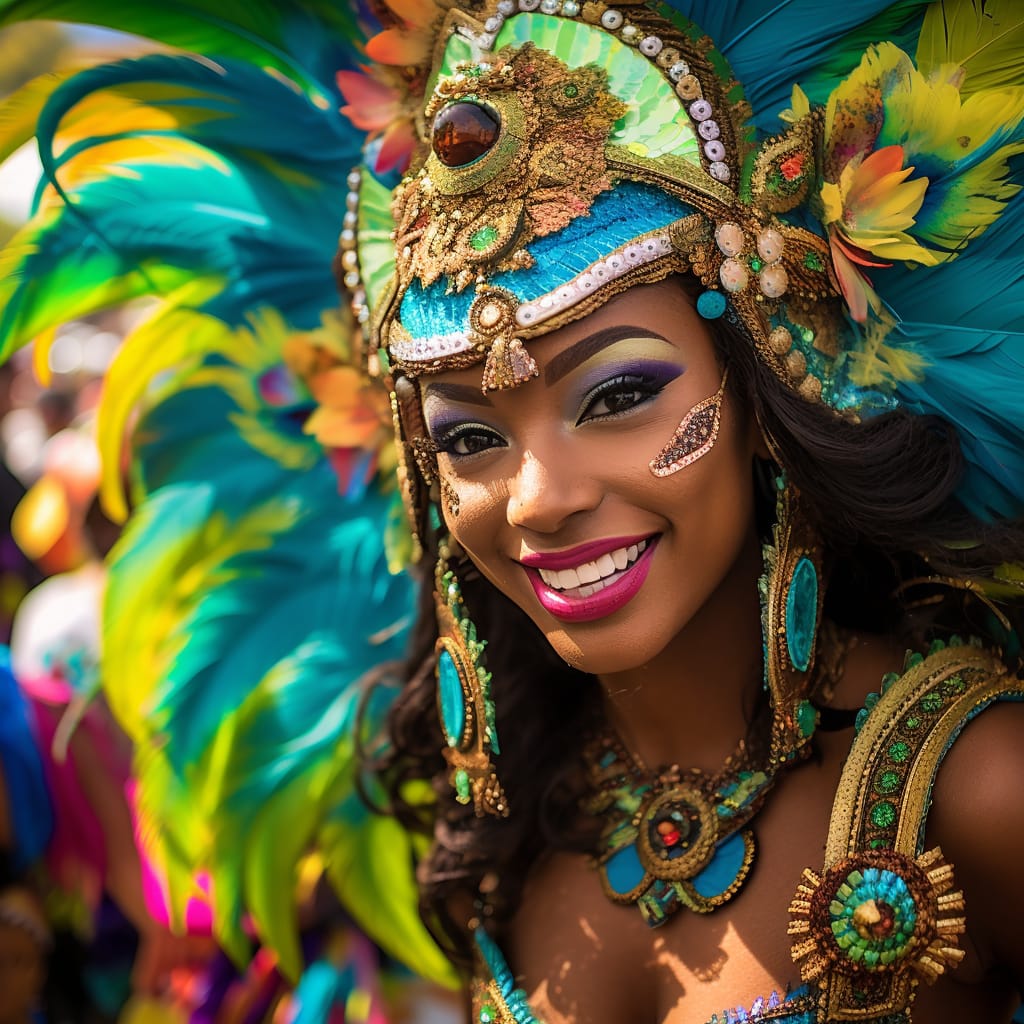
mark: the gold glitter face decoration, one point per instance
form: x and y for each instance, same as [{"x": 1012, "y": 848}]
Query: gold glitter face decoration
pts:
[{"x": 694, "y": 437}]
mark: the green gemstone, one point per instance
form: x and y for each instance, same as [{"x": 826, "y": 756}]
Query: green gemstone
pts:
[
  {"x": 883, "y": 814},
  {"x": 931, "y": 703},
  {"x": 914, "y": 658},
  {"x": 756, "y": 265},
  {"x": 888, "y": 679},
  {"x": 899, "y": 752},
  {"x": 571, "y": 91},
  {"x": 806, "y": 718},
  {"x": 483, "y": 238},
  {"x": 812, "y": 261},
  {"x": 462, "y": 786},
  {"x": 953, "y": 686},
  {"x": 887, "y": 781},
  {"x": 879, "y": 844},
  {"x": 487, "y": 1014}
]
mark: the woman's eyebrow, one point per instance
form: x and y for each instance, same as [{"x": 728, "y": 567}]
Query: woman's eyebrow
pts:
[
  {"x": 463, "y": 393},
  {"x": 567, "y": 360}
]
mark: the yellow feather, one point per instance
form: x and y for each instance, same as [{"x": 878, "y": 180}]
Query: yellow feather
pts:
[
  {"x": 160, "y": 343},
  {"x": 981, "y": 43}
]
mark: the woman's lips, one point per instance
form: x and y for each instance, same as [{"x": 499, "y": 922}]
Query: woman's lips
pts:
[
  {"x": 572, "y": 557},
  {"x": 612, "y": 596}
]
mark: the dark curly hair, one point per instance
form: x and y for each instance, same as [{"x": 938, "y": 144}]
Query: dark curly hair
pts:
[{"x": 882, "y": 494}]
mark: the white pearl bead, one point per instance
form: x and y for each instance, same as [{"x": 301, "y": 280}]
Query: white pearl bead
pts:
[
  {"x": 733, "y": 275},
  {"x": 720, "y": 171},
  {"x": 774, "y": 281},
  {"x": 651, "y": 46},
  {"x": 714, "y": 150},
  {"x": 730, "y": 238},
  {"x": 678, "y": 69},
  {"x": 709, "y": 130},
  {"x": 611, "y": 19},
  {"x": 770, "y": 245}
]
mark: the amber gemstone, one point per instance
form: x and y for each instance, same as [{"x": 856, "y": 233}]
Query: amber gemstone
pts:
[{"x": 463, "y": 132}]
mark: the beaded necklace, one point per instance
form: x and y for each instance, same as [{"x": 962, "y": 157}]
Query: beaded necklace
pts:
[{"x": 674, "y": 837}]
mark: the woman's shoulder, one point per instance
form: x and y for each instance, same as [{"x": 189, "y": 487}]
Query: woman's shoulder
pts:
[{"x": 977, "y": 818}]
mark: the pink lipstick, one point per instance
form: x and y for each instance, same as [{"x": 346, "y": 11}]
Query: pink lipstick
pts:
[{"x": 598, "y": 598}]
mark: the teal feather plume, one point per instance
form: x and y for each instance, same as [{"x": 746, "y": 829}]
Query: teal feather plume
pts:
[
  {"x": 306, "y": 42},
  {"x": 247, "y": 596}
]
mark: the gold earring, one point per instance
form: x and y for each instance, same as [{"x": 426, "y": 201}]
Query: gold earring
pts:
[{"x": 694, "y": 437}]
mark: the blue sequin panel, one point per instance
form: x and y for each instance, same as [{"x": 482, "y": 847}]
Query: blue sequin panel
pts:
[{"x": 616, "y": 218}]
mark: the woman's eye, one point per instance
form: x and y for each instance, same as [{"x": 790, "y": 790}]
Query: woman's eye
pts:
[
  {"x": 468, "y": 440},
  {"x": 619, "y": 395}
]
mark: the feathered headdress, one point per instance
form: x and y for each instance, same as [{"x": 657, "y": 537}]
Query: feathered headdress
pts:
[
  {"x": 251, "y": 589},
  {"x": 851, "y": 205},
  {"x": 868, "y": 242}
]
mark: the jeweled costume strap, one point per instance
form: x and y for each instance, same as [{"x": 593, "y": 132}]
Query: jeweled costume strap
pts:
[{"x": 884, "y": 914}]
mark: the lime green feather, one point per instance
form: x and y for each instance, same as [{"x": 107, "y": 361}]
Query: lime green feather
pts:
[
  {"x": 984, "y": 41},
  {"x": 376, "y": 247}
]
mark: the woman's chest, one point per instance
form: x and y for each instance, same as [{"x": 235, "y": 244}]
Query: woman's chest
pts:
[{"x": 579, "y": 957}]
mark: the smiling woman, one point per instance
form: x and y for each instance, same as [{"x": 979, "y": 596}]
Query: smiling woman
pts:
[
  {"x": 711, "y": 530},
  {"x": 712, "y": 710}
]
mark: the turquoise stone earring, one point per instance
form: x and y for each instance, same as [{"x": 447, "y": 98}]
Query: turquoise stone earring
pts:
[
  {"x": 464, "y": 700},
  {"x": 792, "y": 595}
]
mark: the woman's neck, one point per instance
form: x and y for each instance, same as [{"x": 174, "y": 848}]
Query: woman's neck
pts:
[{"x": 692, "y": 703}]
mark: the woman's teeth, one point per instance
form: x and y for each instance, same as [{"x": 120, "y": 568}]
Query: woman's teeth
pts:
[{"x": 590, "y": 577}]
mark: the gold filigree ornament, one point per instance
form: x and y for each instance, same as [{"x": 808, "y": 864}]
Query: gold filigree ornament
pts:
[
  {"x": 464, "y": 703},
  {"x": 872, "y": 927},
  {"x": 516, "y": 153}
]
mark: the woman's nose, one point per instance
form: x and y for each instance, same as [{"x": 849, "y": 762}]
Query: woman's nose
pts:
[{"x": 546, "y": 492}]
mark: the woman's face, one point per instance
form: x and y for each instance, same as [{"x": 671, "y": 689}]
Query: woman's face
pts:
[{"x": 553, "y": 489}]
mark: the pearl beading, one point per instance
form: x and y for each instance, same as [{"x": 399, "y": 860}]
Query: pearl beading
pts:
[
  {"x": 347, "y": 243},
  {"x": 614, "y": 265},
  {"x": 667, "y": 59}
]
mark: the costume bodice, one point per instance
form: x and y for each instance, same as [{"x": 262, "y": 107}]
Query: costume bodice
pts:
[{"x": 875, "y": 858}]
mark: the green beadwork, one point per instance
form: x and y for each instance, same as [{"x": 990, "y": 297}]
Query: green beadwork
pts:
[
  {"x": 873, "y": 918},
  {"x": 484, "y": 238},
  {"x": 806, "y": 718},
  {"x": 462, "y": 791},
  {"x": 911, "y": 723},
  {"x": 899, "y": 752},
  {"x": 487, "y": 1014},
  {"x": 931, "y": 703},
  {"x": 756, "y": 265},
  {"x": 913, "y": 659},
  {"x": 883, "y": 814},
  {"x": 812, "y": 261},
  {"x": 888, "y": 679},
  {"x": 887, "y": 781},
  {"x": 953, "y": 686}
]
